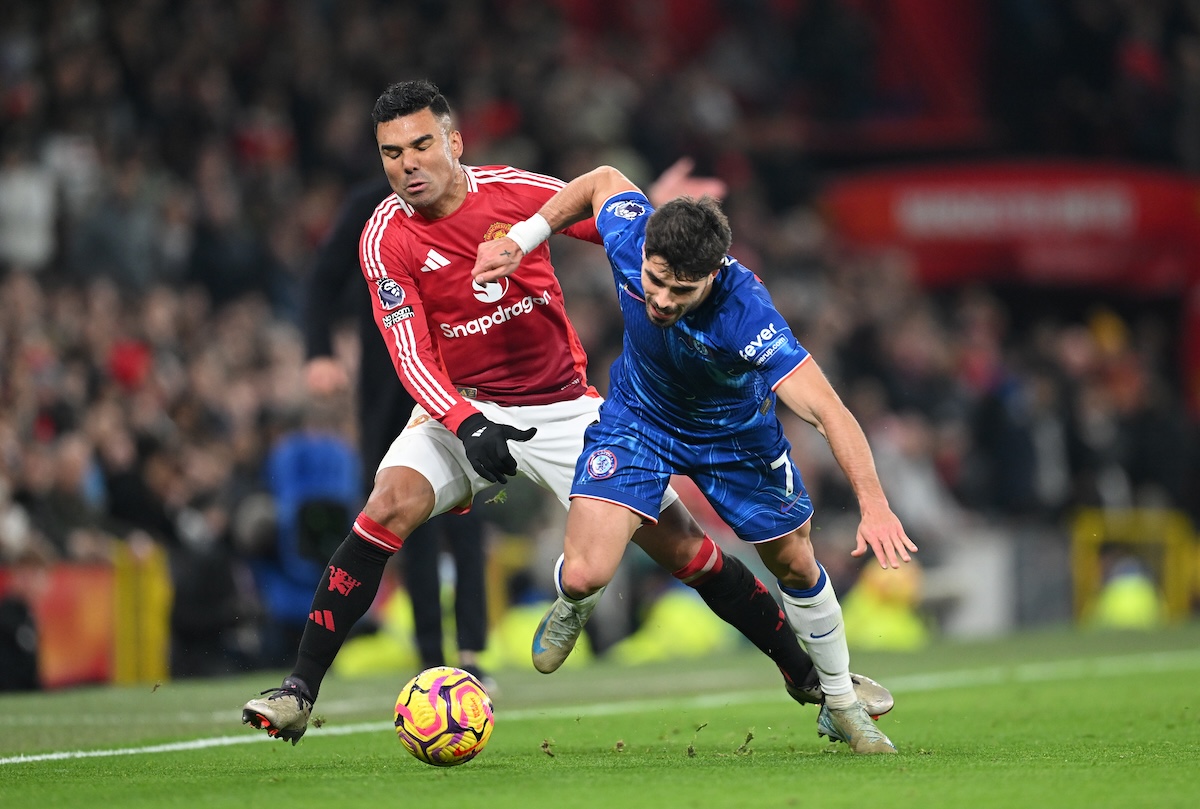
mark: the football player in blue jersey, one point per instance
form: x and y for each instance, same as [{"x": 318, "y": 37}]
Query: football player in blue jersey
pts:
[{"x": 706, "y": 356}]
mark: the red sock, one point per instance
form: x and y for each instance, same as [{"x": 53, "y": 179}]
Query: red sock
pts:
[
  {"x": 706, "y": 564},
  {"x": 376, "y": 534},
  {"x": 736, "y": 595}
]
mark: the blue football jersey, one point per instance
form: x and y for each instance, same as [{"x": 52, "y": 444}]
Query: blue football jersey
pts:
[{"x": 713, "y": 371}]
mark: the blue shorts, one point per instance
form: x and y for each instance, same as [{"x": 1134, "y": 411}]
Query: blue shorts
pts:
[{"x": 749, "y": 478}]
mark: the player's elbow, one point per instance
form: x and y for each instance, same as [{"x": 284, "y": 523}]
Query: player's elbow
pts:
[
  {"x": 608, "y": 173},
  {"x": 607, "y": 181}
]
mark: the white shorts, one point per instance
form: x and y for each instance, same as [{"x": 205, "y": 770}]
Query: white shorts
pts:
[{"x": 548, "y": 459}]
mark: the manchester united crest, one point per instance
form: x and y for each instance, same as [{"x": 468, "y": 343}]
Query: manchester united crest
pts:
[{"x": 498, "y": 230}]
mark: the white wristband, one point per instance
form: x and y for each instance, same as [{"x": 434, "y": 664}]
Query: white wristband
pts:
[{"x": 530, "y": 233}]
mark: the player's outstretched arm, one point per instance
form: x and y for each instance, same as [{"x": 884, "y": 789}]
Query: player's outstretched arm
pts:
[
  {"x": 810, "y": 396},
  {"x": 677, "y": 181},
  {"x": 574, "y": 202}
]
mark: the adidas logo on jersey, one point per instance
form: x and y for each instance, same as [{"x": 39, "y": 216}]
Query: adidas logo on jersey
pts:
[{"x": 434, "y": 261}]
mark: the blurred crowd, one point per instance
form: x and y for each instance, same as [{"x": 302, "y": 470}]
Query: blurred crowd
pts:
[{"x": 169, "y": 168}]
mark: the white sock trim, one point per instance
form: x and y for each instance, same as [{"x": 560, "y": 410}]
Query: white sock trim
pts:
[{"x": 586, "y": 602}]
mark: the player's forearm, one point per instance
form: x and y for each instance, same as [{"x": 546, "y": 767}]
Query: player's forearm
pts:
[
  {"x": 576, "y": 201},
  {"x": 853, "y": 454},
  {"x": 583, "y": 196},
  {"x": 808, "y": 394}
]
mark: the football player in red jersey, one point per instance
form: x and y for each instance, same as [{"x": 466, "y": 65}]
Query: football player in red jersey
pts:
[{"x": 500, "y": 380}]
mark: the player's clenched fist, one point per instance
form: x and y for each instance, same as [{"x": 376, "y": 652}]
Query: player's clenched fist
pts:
[
  {"x": 486, "y": 445},
  {"x": 496, "y": 259}
]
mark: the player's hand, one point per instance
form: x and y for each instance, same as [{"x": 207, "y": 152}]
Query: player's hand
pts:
[
  {"x": 325, "y": 375},
  {"x": 884, "y": 534},
  {"x": 486, "y": 445},
  {"x": 677, "y": 181},
  {"x": 496, "y": 259}
]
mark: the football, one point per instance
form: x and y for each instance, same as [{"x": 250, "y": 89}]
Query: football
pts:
[{"x": 444, "y": 716}]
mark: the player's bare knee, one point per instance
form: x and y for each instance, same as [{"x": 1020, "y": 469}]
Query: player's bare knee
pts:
[
  {"x": 400, "y": 501},
  {"x": 579, "y": 581},
  {"x": 802, "y": 579},
  {"x": 800, "y": 570}
]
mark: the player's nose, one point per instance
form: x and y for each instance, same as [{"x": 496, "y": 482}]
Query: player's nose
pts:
[{"x": 667, "y": 304}]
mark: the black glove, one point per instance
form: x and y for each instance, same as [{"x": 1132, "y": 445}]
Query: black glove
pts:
[{"x": 486, "y": 444}]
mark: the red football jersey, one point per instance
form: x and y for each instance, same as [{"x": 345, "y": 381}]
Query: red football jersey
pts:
[{"x": 451, "y": 340}]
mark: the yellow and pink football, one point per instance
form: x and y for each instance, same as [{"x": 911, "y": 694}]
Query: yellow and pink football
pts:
[{"x": 444, "y": 716}]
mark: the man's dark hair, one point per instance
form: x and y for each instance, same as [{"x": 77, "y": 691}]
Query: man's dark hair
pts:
[
  {"x": 406, "y": 97},
  {"x": 692, "y": 236}
]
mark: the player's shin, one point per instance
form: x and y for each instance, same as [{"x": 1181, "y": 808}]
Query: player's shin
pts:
[
  {"x": 344, "y": 595},
  {"x": 816, "y": 617},
  {"x": 740, "y": 599}
]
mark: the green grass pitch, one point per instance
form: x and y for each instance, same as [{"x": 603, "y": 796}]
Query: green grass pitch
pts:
[{"x": 1056, "y": 718}]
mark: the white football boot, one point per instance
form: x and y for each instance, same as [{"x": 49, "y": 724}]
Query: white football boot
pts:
[
  {"x": 284, "y": 714},
  {"x": 560, "y": 628},
  {"x": 853, "y": 726}
]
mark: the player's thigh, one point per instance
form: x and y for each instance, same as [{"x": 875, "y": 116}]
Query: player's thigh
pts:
[
  {"x": 437, "y": 455},
  {"x": 596, "y": 535}
]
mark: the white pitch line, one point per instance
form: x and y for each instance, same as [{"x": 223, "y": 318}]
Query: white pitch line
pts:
[
  {"x": 1091, "y": 668},
  {"x": 332, "y": 706}
]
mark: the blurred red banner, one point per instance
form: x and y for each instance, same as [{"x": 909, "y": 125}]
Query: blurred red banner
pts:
[
  {"x": 75, "y": 622},
  {"x": 1060, "y": 223}
]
